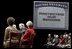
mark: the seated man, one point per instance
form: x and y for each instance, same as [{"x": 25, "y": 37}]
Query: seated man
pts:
[
  {"x": 49, "y": 40},
  {"x": 55, "y": 41}
]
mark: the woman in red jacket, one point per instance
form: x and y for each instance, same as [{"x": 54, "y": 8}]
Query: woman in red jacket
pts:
[{"x": 28, "y": 36}]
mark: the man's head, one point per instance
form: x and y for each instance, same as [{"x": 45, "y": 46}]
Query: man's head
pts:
[
  {"x": 10, "y": 21},
  {"x": 49, "y": 35},
  {"x": 56, "y": 36},
  {"x": 69, "y": 37},
  {"x": 69, "y": 34},
  {"x": 66, "y": 35},
  {"x": 63, "y": 36},
  {"x": 14, "y": 25},
  {"x": 21, "y": 26}
]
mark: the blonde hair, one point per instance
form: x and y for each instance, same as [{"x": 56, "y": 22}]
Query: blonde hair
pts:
[{"x": 29, "y": 23}]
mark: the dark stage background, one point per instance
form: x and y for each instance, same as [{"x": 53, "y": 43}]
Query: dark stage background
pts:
[{"x": 22, "y": 11}]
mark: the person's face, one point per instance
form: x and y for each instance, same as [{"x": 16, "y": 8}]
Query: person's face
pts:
[
  {"x": 21, "y": 26},
  {"x": 70, "y": 34},
  {"x": 69, "y": 37},
  {"x": 66, "y": 35},
  {"x": 14, "y": 26},
  {"x": 49, "y": 35},
  {"x": 56, "y": 36}
]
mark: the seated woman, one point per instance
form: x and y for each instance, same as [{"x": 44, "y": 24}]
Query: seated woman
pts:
[
  {"x": 28, "y": 36},
  {"x": 8, "y": 30}
]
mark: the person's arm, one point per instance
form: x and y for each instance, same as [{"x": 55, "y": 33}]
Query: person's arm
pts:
[
  {"x": 32, "y": 36},
  {"x": 6, "y": 34},
  {"x": 25, "y": 34}
]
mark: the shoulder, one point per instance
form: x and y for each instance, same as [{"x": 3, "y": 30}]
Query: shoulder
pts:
[
  {"x": 7, "y": 28},
  {"x": 31, "y": 30}
]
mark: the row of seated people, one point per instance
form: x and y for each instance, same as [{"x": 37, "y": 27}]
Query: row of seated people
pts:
[
  {"x": 15, "y": 38},
  {"x": 58, "y": 41}
]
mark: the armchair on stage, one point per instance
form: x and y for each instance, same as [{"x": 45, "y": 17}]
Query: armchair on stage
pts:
[{"x": 15, "y": 39}]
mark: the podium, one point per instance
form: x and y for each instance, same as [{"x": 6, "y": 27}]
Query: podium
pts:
[{"x": 15, "y": 39}]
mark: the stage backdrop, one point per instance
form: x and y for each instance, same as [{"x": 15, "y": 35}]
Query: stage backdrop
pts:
[{"x": 51, "y": 15}]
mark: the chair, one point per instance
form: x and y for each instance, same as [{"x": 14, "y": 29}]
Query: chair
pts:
[{"x": 15, "y": 39}]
